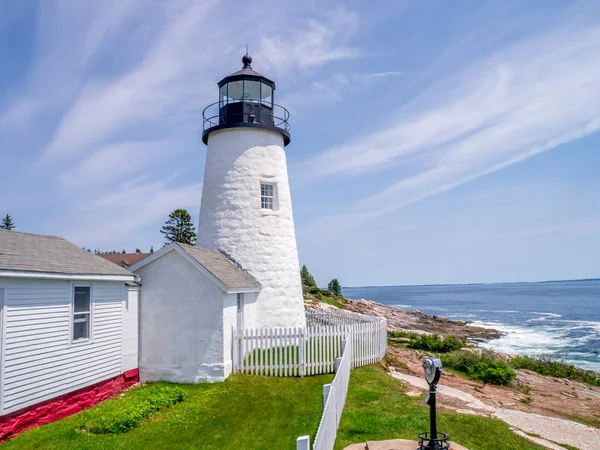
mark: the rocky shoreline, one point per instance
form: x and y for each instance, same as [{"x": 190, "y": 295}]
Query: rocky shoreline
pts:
[{"x": 411, "y": 321}]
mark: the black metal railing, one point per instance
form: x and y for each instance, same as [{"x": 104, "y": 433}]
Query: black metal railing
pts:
[{"x": 218, "y": 114}]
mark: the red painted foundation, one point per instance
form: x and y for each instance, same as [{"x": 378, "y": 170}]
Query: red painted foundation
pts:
[{"x": 65, "y": 405}]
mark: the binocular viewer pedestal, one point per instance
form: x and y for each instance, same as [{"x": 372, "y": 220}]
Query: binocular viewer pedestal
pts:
[{"x": 432, "y": 439}]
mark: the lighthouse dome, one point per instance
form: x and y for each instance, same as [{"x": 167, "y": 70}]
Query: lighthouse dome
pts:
[{"x": 246, "y": 99}]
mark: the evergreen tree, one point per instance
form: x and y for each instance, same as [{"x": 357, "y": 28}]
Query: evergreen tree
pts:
[
  {"x": 179, "y": 228},
  {"x": 335, "y": 286},
  {"x": 307, "y": 278},
  {"x": 7, "y": 223}
]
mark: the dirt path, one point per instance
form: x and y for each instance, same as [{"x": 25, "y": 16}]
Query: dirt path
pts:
[
  {"x": 548, "y": 428},
  {"x": 547, "y": 396}
]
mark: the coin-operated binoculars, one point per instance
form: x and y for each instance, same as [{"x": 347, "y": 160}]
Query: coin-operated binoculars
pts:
[{"x": 432, "y": 440}]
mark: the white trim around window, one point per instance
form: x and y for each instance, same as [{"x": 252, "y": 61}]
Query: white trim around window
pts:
[
  {"x": 81, "y": 315},
  {"x": 268, "y": 196}
]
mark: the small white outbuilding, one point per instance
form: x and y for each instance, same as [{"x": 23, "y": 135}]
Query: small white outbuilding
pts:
[{"x": 192, "y": 298}]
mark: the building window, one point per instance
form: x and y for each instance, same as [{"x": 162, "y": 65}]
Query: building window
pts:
[
  {"x": 240, "y": 311},
  {"x": 267, "y": 196},
  {"x": 82, "y": 306}
]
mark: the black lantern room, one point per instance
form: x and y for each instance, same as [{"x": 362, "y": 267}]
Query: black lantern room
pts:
[{"x": 246, "y": 99}]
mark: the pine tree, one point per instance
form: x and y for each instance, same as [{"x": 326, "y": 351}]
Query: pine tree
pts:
[
  {"x": 307, "y": 278},
  {"x": 179, "y": 228},
  {"x": 335, "y": 286},
  {"x": 7, "y": 223}
]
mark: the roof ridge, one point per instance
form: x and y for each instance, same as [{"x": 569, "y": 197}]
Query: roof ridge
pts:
[{"x": 33, "y": 234}]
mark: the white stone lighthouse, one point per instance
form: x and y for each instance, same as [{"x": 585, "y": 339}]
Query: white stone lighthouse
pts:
[{"x": 246, "y": 208}]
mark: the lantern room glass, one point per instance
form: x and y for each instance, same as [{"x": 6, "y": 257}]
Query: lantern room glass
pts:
[{"x": 247, "y": 91}]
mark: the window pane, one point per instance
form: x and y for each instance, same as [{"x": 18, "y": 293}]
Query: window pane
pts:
[
  {"x": 267, "y": 94},
  {"x": 235, "y": 90},
  {"x": 266, "y": 189},
  {"x": 251, "y": 90},
  {"x": 81, "y": 300},
  {"x": 223, "y": 96},
  {"x": 81, "y": 328}
]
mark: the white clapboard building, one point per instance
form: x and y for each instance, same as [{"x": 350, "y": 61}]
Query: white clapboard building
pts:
[{"x": 68, "y": 325}]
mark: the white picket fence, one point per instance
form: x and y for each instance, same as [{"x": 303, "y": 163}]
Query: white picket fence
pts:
[
  {"x": 333, "y": 341},
  {"x": 334, "y": 399},
  {"x": 316, "y": 317},
  {"x": 285, "y": 352}
]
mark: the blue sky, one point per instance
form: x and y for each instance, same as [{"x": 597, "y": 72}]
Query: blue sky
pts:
[{"x": 432, "y": 142}]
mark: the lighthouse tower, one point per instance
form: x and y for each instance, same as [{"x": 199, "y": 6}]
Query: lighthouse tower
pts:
[{"x": 246, "y": 208}]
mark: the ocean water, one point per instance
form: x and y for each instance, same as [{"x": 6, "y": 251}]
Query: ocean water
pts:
[{"x": 559, "y": 318}]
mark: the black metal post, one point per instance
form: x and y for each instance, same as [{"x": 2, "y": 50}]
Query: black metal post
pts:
[
  {"x": 430, "y": 440},
  {"x": 432, "y": 418}
]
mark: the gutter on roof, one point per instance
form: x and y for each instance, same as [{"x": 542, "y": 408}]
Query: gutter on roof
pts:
[{"x": 67, "y": 276}]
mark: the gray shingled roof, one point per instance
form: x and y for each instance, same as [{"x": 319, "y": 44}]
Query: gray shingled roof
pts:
[
  {"x": 26, "y": 252},
  {"x": 225, "y": 269}
]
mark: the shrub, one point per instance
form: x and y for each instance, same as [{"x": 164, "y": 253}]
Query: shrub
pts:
[
  {"x": 436, "y": 344},
  {"x": 335, "y": 286},
  {"x": 122, "y": 414},
  {"x": 327, "y": 299},
  {"x": 402, "y": 334},
  {"x": 480, "y": 366},
  {"x": 546, "y": 365}
]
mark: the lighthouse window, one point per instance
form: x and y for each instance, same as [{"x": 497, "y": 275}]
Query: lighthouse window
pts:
[
  {"x": 267, "y": 94},
  {"x": 267, "y": 196},
  {"x": 251, "y": 91},
  {"x": 223, "y": 98},
  {"x": 235, "y": 90}
]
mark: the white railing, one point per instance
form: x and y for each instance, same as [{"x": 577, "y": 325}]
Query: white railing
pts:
[
  {"x": 285, "y": 352},
  {"x": 316, "y": 317},
  {"x": 334, "y": 399}
]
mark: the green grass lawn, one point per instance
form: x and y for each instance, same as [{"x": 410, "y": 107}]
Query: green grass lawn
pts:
[
  {"x": 254, "y": 412},
  {"x": 245, "y": 412},
  {"x": 377, "y": 409}
]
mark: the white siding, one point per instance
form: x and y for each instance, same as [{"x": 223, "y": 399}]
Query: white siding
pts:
[
  {"x": 229, "y": 322},
  {"x": 130, "y": 328},
  {"x": 40, "y": 362}
]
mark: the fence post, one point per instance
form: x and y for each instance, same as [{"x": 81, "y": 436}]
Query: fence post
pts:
[
  {"x": 337, "y": 363},
  {"x": 302, "y": 352},
  {"x": 326, "y": 390},
  {"x": 303, "y": 443}
]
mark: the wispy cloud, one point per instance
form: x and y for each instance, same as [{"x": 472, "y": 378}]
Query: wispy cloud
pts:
[
  {"x": 69, "y": 35},
  {"x": 336, "y": 88},
  {"x": 316, "y": 43},
  {"x": 165, "y": 78},
  {"x": 112, "y": 163},
  {"x": 128, "y": 208},
  {"x": 531, "y": 97},
  {"x": 125, "y": 101}
]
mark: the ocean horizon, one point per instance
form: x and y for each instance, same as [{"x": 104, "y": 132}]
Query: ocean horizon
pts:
[{"x": 544, "y": 318}]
